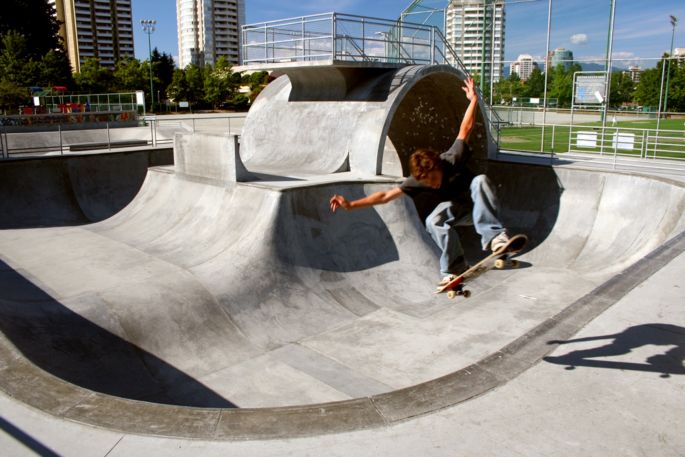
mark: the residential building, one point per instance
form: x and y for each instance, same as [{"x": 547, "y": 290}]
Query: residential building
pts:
[
  {"x": 634, "y": 72},
  {"x": 560, "y": 56},
  {"x": 679, "y": 54},
  {"x": 523, "y": 66},
  {"x": 209, "y": 29},
  {"x": 95, "y": 28},
  {"x": 475, "y": 29}
]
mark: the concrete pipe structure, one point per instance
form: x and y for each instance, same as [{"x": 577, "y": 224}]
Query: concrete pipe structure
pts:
[{"x": 367, "y": 120}]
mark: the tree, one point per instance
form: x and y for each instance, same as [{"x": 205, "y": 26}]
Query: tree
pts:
[
  {"x": 178, "y": 89},
  {"x": 647, "y": 90},
  {"x": 218, "y": 84},
  {"x": 130, "y": 75},
  {"x": 534, "y": 85},
  {"x": 15, "y": 67},
  {"x": 94, "y": 78},
  {"x": 12, "y": 95},
  {"x": 163, "y": 68},
  {"x": 54, "y": 69},
  {"x": 622, "y": 88},
  {"x": 36, "y": 21},
  {"x": 508, "y": 89},
  {"x": 561, "y": 84},
  {"x": 195, "y": 83}
]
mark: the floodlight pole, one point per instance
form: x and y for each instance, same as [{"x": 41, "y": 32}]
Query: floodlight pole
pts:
[
  {"x": 607, "y": 84},
  {"x": 547, "y": 62},
  {"x": 149, "y": 28},
  {"x": 674, "y": 22}
]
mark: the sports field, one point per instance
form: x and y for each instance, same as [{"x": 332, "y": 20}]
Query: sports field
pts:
[{"x": 638, "y": 138}]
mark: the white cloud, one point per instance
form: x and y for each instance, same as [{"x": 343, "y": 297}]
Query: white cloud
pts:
[{"x": 579, "y": 38}]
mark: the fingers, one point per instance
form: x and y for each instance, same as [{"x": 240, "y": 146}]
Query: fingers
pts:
[{"x": 336, "y": 202}]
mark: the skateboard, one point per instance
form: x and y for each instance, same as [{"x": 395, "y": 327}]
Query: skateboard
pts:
[{"x": 498, "y": 260}]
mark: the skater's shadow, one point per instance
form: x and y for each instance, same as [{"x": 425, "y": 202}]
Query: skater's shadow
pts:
[{"x": 667, "y": 363}]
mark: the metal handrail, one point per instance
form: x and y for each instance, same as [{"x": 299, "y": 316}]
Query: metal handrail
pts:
[{"x": 289, "y": 40}]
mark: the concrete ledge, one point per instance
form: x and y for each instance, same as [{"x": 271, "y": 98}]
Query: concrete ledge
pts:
[{"x": 210, "y": 156}]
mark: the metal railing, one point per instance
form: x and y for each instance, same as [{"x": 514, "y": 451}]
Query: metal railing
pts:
[
  {"x": 150, "y": 131},
  {"x": 341, "y": 37},
  {"x": 617, "y": 147}
]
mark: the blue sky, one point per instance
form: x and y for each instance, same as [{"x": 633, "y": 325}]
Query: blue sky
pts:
[{"x": 642, "y": 30}]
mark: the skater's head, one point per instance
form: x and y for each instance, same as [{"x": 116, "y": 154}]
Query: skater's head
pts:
[{"x": 425, "y": 167}]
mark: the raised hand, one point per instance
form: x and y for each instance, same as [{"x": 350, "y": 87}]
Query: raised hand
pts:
[{"x": 470, "y": 88}]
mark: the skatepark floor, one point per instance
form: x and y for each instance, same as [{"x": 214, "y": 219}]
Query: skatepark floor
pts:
[{"x": 356, "y": 321}]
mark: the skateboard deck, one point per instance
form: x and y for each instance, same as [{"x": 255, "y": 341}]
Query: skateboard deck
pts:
[{"x": 497, "y": 259}]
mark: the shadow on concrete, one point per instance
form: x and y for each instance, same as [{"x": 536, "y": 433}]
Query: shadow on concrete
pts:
[
  {"x": 27, "y": 440},
  {"x": 310, "y": 235},
  {"x": 72, "y": 190},
  {"x": 667, "y": 363},
  {"x": 72, "y": 348},
  {"x": 530, "y": 198}
]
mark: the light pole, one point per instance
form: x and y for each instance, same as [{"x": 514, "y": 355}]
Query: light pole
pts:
[
  {"x": 674, "y": 22},
  {"x": 149, "y": 28}
]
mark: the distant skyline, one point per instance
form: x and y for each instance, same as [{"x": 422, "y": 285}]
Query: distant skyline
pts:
[{"x": 642, "y": 32}]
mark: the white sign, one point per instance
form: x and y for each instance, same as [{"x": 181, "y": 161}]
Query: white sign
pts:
[
  {"x": 140, "y": 98},
  {"x": 625, "y": 141},
  {"x": 586, "y": 140},
  {"x": 183, "y": 104}
]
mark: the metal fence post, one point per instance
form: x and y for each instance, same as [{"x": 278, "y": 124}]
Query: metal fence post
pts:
[
  {"x": 109, "y": 142},
  {"x": 334, "y": 31},
  {"x": 59, "y": 129}
]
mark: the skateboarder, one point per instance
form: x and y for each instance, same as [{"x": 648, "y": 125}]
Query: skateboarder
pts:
[{"x": 446, "y": 195}]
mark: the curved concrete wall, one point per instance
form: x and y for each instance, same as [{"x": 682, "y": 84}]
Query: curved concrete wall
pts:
[
  {"x": 355, "y": 111},
  {"x": 199, "y": 287}
]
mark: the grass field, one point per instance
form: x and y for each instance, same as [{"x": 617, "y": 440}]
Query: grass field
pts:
[{"x": 635, "y": 138}]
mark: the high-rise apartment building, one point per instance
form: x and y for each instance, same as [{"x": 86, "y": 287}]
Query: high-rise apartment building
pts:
[
  {"x": 475, "y": 29},
  {"x": 523, "y": 66},
  {"x": 560, "y": 56},
  {"x": 209, "y": 29},
  {"x": 96, "y": 28}
]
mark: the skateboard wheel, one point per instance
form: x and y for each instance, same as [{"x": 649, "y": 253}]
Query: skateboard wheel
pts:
[
  {"x": 515, "y": 264},
  {"x": 451, "y": 294},
  {"x": 466, "y": 293},
  {"x": 499, "y": 264}
]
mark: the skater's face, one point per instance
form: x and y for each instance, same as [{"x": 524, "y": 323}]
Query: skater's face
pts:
[{"x": 433, "y": 179}]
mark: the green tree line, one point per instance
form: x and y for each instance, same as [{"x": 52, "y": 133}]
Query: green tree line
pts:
[
  {"x": 32, "y": 54},
  {"x": 623, "y": 89}
]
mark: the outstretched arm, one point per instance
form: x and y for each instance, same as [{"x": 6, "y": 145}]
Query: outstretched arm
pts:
[
  {"x": 377, "y": 198},
  {"x": 469, "y": 119}
]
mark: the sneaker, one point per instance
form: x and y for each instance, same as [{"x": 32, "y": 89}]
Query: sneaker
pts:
[
  {"x": 446, "y": 280},
  {"x": 499, "y": 242},
  {"x": 457, "y": 270}
]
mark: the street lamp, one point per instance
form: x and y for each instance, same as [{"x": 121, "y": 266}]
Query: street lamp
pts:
[
  {"x": 149, "y": 28},
  {"x": 674, "y": 22}
]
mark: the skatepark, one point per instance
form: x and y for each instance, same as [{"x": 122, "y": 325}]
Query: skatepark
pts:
[{"x": 205, "y": 300}]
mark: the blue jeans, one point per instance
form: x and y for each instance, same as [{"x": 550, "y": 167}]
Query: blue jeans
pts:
[{"x": 441, "y": 224}]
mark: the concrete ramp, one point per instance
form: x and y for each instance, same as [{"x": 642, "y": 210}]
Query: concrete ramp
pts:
[{"x": 219, "y": 291}]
